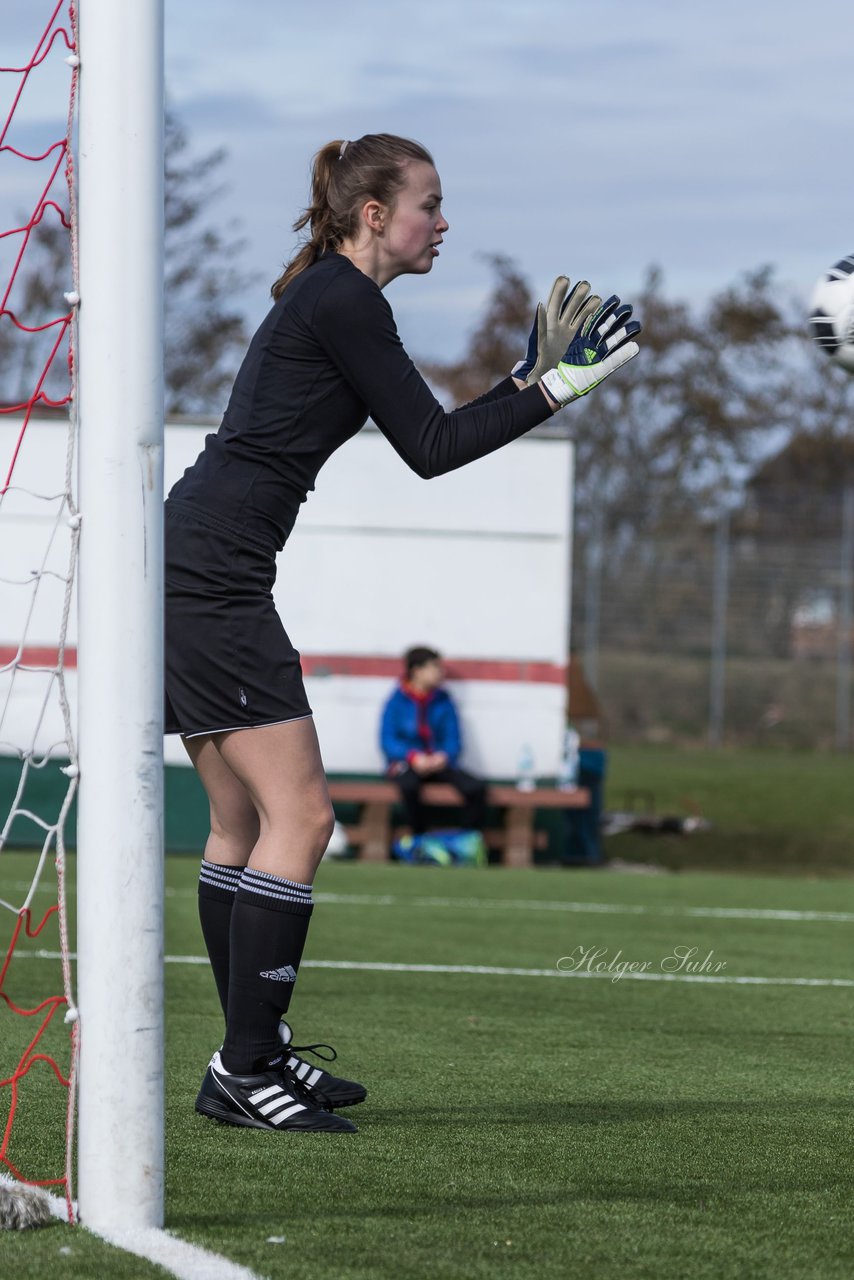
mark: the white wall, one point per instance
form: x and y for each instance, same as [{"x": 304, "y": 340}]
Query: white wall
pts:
[
  {"x": 35, "y": 543},
  {"x": 475, "y": 563}
]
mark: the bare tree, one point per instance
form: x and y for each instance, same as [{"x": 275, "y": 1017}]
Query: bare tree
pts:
[
  {"x": 35, "y": 300},
  {"x": 791, "y": 522},
  {"x": 675, "y": 437},
  {"x": 205, "y": 327},
  {"x": 497, "y": 342},
  {"x": 205, "y": 331}
]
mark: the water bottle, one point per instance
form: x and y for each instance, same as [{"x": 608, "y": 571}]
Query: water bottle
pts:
[
  {"x": 568, "y": 776},
  {"x": 525, "y": 776}
]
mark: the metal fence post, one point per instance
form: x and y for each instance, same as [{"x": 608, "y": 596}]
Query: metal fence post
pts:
[
  {"x": 593, "y": 559},
  {"x": 720, "y": 597},
  {"x": 845, "y": 624}
]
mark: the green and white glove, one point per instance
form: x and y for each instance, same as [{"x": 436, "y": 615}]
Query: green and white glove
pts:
[
  {"x": 555, "y": 326},
  {"x": 604, "y": 344}
]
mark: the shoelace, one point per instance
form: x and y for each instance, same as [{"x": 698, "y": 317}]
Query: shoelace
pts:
[
  {"x": 315, "y": 1049},
  {"x": 295, "y": 1086}
]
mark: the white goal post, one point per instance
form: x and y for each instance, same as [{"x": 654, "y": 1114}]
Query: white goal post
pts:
[{"x": 120, "y": 410}]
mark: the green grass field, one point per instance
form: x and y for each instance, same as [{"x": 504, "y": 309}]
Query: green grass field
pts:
[
  {"x": 774, "y": 811},
  {"x": 519, "y": 1126}
]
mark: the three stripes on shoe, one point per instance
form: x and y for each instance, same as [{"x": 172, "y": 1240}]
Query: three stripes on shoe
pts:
[
  {"x": 304, "y": 1071},
  {"x": 274, "y": 1104},
  {"x": 273, "y": 1101}
]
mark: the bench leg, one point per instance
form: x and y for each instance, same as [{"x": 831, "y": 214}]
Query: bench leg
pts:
[
  {"x": 375, "y": 832},
  {"x": 518, "y": 838}
]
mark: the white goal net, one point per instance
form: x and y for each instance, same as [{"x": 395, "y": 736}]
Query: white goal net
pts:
[{"x": 38, "y": 551}]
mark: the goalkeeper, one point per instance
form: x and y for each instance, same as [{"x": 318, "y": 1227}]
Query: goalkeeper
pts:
[{"x": 325, "y": 358}]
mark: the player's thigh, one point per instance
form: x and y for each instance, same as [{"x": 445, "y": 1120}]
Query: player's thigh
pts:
[{"x": 282, "y": 770}]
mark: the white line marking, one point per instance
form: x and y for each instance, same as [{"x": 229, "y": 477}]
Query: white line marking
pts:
[
  {"x": 186, "y": 1261},
  {"x": 533, "y": 904},
  {"x": 601, "y": 908},
  {"x": 178, "y": 1257},
  {"x": 500, "y": 971},
  {"x": 59, "y": 1208}
]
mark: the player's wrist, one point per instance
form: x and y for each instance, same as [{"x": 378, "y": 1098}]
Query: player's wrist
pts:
[
  {"x": 559, "y": 385},
  {"x": 553, "y": 404}
]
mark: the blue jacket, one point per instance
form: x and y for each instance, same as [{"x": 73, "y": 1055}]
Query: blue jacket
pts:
[{"x": 413, "y": 722}]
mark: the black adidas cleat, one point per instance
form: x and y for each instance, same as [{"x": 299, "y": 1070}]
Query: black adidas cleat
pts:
[
  {"x": 326, "y": 1090},
  {"x": 264, "y": 1100}
]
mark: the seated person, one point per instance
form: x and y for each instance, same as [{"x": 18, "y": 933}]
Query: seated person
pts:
[{"x": 420, "y": 738}]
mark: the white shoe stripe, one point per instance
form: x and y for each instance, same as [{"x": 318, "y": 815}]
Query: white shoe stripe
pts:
[
  {"x": 293, "y": 1062},
  {"x": 303, "y": 1070},
  {"x": 289, "y": 1111},
  {"x": 279, "y": 1101},
  {"x": 269, "y": 1092},
  {"x": 314, "y": 1077}
]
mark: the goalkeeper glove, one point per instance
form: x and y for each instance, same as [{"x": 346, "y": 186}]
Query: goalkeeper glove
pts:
[
  {"x": 605, "y": 343},
  {"x": 555, "y": 326}
]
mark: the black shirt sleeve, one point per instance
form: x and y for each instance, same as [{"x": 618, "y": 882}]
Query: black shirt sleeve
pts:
[
  {"x": 506, "y": 387},
  {"x": 353, "y": 322}
]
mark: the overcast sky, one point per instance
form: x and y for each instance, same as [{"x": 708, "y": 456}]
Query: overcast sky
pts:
[{"x": 590, "y": 139}]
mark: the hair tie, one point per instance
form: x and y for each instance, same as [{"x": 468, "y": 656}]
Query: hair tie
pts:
[{"x": 344, "y": 146}]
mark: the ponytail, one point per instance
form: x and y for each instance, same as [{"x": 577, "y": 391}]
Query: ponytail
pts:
[{"x": 344, "y": 176}]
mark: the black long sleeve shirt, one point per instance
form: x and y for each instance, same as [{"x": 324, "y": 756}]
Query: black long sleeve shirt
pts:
[{"x": 326, "y": 357}]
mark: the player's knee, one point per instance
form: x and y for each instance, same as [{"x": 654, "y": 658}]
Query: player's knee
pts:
[{"x": 324, "y": 826}]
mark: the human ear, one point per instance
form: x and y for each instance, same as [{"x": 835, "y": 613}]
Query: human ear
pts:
[{"x": 374, "y": 215}]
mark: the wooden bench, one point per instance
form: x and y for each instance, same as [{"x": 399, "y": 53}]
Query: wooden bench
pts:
[{"x": 517, "y": 839}]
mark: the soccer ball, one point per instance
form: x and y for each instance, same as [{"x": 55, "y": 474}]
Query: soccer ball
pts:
[{"x": 831, "y": 320}]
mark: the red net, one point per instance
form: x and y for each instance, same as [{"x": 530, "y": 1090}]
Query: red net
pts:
[
  {"x": 36, "y": 342},
  {"x": 54, "y": 166}
]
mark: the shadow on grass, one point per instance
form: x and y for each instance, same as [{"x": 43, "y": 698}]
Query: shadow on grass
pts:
[
  {"x": 569, "y": 1182},
  {"x": 548, "y": 1112},
  {"x": 692, "y": 1192}
]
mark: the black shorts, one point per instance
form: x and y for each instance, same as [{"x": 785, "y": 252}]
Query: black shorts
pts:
[{"x": 228, "y": 661}]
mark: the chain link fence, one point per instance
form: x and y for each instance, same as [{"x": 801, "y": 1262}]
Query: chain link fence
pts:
[{"x": 737, "y": 629}]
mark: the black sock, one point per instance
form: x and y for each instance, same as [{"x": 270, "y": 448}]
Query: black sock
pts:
[
  {"x": 217, "y": 887},
  {"x": 269, "y": 923}
]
